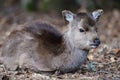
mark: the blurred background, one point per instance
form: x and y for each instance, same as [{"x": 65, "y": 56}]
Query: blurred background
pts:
[
  {"x": 18, "y": 12},
  {"x": 58, "y": 5}
]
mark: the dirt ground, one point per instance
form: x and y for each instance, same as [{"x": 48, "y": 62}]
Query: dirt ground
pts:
[{"x": 103, "y": 63}]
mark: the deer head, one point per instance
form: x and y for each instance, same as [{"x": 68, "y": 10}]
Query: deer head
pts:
[{"x": 82, "y": 30}]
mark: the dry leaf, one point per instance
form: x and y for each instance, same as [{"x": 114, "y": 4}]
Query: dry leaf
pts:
[
  {"x": 115, "y": 51},
  {"x": 90, "y": 56},
  {"x": 112, "y": 59}
]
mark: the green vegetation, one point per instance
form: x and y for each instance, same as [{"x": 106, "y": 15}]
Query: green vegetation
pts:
[{"x": 48, "y": 5}]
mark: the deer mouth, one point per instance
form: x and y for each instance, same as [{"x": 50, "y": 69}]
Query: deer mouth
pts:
[{"x": 94, "y": 45}]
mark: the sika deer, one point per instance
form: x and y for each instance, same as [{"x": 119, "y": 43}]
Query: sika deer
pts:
[{"x": 41, "y": 47}]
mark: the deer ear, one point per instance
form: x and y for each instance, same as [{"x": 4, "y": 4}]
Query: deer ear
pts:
[
  {"x": 96, "y": 14},
  {"x": 68, "y": 15}
]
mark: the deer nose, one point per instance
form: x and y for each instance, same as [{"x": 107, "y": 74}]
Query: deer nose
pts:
[{"x": 97, "y": 41}]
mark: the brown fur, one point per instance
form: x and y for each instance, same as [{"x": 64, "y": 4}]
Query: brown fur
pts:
[
  {"x": 51, "y": 38},
  {"x": 41, "y": 47}
]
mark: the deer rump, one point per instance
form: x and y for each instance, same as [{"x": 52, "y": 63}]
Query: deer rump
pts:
[{"x": 32, "y": 47}]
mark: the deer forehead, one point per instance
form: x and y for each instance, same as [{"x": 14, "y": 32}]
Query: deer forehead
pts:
[
  {"x": 82, "y": 20},
  {"x": 86, "y": 19},
  {"x": 83, "y": 23}
]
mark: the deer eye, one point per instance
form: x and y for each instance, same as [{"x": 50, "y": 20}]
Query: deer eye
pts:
[{"x": 81, "y": 30}]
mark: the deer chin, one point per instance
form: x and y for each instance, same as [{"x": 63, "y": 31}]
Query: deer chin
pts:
[{"x": 87, "y": 48}]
